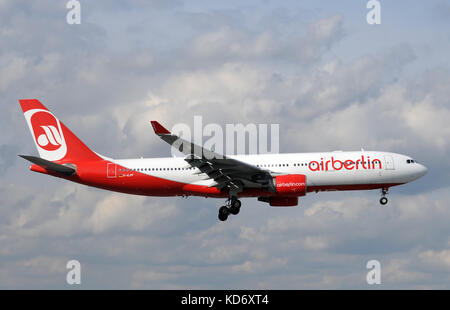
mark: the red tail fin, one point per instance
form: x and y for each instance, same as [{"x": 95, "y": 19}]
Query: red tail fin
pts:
[{"x": 54, "y": 141}]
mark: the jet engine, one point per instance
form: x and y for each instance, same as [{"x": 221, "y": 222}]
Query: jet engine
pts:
[{"x": 290, "y": 184}]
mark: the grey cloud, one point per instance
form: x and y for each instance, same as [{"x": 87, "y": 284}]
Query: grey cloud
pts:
[
  {"x": 8, "y": 155},
  {"x": 186, "y": 259},
  {"x": 237, "y": 44},
  {"x": 441, "y": 10}
]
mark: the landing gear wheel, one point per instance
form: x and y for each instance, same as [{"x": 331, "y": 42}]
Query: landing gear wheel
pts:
[
  {"x": 236, "y": 204},
  {"x": 223, "y": 217},
  {"x": 234, "y": 210},
  {"x": 235, "y": 207},
  {"x": 383, "y": 201},
  {"x": 223, "y": 213}
]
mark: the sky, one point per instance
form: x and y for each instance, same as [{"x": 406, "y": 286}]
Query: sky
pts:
[{"x": 332, "y": 82}]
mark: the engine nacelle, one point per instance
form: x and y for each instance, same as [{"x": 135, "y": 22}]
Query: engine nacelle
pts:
[
  {"x": 290, "y": 185},
  {"x": 278, "y": 201}
]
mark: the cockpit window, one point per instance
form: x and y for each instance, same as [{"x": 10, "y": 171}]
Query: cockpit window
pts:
[{"x": 410, "y": 161}]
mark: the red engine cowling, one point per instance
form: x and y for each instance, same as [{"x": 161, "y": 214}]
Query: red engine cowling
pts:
[
  {"x": 277, "y": 201},
  {"x": 290, "y": 185}
]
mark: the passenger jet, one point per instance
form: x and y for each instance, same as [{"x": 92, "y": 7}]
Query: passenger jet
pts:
[{"x": 277, "y": 179}]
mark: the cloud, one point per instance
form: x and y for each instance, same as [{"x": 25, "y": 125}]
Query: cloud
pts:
[
  {"x": 437, "y": 259},
  {"x": 13, "y": 68},
  {"x": 230, "y": 44},
  {"x": 7, "y": 157},
  {"x": 401, "y": 271},
  {"x": 441, "y": 10},
  {"x": 77, "y": 211},
  {"x": 116, "y": 212}
]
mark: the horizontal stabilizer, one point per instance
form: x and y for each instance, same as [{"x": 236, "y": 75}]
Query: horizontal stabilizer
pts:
[{"x": 49, "y": 165}]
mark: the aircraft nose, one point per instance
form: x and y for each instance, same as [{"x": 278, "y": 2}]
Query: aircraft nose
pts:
[{"x": 422, "y": 170}]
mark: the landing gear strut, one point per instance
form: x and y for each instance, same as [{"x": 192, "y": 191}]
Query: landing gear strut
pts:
[
  {"x": 233, "y": 207},
  {"x": 383, "y": 199}
]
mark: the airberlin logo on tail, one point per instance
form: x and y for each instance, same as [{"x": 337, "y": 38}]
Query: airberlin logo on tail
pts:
[
  {"x": 50, "y": 139},
  {"x": 47, "y": 132}
]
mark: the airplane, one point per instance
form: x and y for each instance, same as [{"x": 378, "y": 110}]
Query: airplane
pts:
[{"x": 276, "y": 179}]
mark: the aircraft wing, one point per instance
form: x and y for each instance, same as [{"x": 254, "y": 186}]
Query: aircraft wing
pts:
[{"x": 225, "y": 171}]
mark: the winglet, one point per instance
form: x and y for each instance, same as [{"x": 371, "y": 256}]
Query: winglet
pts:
[{"x": 159, "y": 129}]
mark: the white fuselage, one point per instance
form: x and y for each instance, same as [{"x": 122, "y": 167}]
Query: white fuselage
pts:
[{"x": 321, "y": 169}]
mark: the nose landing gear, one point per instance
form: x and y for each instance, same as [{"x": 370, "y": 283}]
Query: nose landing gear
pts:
[
  {"x": 232, "y": 207},
  {"x": 383, "y": 199}
]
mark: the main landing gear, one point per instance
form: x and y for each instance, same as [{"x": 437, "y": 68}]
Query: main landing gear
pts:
[
  {"x": 232, "y": 207},
  {"x": 383, "y": 199}
]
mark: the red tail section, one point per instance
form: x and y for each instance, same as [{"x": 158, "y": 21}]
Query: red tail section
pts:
[{"x": 54, "y": 141}]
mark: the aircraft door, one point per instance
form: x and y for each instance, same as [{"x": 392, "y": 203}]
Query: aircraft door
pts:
[
  {"x": 111, "y": 170},
  {"x": 389, "y": 162}
]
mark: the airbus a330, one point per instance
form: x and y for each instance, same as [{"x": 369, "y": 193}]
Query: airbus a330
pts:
[{"x": 276, "y": 179}]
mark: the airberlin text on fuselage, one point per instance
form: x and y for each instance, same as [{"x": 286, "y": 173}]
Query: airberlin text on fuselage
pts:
[{"x": 348, "y": 164}]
